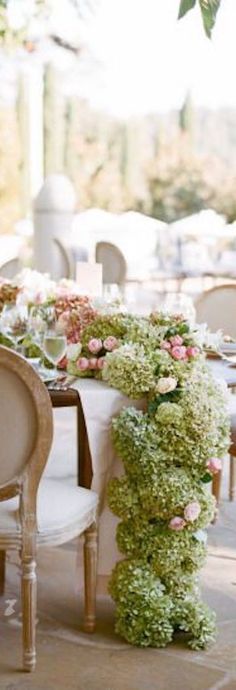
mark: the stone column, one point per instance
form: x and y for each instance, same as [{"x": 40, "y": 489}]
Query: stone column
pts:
[{"x": 54, "y": 210}]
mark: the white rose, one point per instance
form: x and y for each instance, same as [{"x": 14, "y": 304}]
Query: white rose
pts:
[
  {"x": 73, "y": 351},
  {"x": 166, "y": 385}
]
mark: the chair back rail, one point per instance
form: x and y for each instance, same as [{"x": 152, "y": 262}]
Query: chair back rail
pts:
[
  {"x": 217, "y": 307},
  {"x": 113, "y": 263},
  {"x": 26, "y": 431}
]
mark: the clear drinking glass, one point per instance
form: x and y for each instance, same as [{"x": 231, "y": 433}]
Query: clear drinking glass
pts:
[
  {"x": 54, "y": 347},
  {"x": 179, "y": 303},
  {"x": 13, "y": 323}
]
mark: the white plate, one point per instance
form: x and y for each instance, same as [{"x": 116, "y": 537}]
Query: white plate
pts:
[{"x": 228, "y": 348}]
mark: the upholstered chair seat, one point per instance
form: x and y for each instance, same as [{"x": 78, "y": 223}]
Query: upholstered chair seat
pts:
[{"x": 63, "y": 512}]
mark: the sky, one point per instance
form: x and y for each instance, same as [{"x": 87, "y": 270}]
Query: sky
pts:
[
  {"x": 144, "y": 59},
  {"x": 150, "y": 60}
]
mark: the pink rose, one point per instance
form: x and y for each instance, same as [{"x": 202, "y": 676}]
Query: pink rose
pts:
[
  {"x": 165, "y": 345},
  {"x": 177, "y": 523},
  {"x": 92, "y": 363},
  {"x": 192, "y": 511},
  {"x": 178, "y": 352},
  {"x": 100, "y": 362},
  {"x": 214, "y": 465},
  {"x": 110, "y": 343},
  {"x": 176, "y": 340},
  {"x": 192, "y": 351},
  {"x": 82, "y": 363},
  {"x": 94, "y": 345}
]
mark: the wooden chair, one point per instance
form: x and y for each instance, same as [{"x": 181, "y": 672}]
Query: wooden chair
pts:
[
  {"x": 217, "y": 307},
  {"x": 113, "y": 263},
  {"x": 10, "y": 268},
  {"x": 65, "y": 261},
  {"x": 216, "y": 484},
  {"x": 34, "y": 512}
]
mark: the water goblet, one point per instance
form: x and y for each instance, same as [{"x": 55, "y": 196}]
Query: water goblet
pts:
[{"x": 54, "y": 348}]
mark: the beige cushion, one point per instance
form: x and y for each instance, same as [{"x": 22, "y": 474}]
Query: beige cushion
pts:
[{"x": 63, "y": 512}]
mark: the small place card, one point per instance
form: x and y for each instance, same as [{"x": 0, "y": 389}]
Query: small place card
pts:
[{"x": 89, "y": 278}]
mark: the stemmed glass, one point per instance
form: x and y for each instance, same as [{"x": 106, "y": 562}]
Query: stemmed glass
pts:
[
  {"x": 179, "y": 303},
  {"x": 54, "y": 347},
  {"x": 13, "y": 323}
]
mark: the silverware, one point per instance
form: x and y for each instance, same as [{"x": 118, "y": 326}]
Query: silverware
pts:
[{"x": 62, "y": 383}]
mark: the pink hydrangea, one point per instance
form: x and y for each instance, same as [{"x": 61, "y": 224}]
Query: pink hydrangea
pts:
[
  {"x": 95, "y": 345},
  {"x": 179, "y": 352},
  {"x": 92, "y": 363},
  {"x": 165, "y": 345},
  {"x": 192, "y": 351},
  {"x": 176, "y": 340},
  {"x": 82, "y": 363},
  {"x": 110, "y": 343},
  {"x": 192, "y": 511},
  {"x": 214, "y": 465},
  {"x": 177, "y": 523}
]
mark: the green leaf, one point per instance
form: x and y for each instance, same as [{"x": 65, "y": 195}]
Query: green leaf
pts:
[
  {"x": 209, "y": 9},
  {"x": 185, "y": 6},
  {"x": 207, "y": 477}
]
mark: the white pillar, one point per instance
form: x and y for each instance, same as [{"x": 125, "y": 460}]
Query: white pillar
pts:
[{"x": 54, "y": 210}]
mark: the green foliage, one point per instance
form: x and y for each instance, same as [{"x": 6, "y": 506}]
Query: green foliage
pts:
[{"x": 209, "y": 9}]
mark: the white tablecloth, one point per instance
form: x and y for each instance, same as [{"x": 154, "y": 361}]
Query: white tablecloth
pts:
[{"x": 100, "y": 404}]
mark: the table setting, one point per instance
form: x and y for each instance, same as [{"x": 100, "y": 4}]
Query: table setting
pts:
[{"x": 157, "y": 427}]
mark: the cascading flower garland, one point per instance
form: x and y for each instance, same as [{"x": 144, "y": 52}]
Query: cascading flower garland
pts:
[{"x": 170, "y": 450}]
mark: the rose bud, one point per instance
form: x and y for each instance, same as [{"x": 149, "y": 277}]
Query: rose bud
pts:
[
  {"x": 82, "y": 363},
  {"x": 94, "y": 345},
  {"x": 92, "y": 363},
  {"x": 214, "y": 465},
  {"x": 110, "y": 343},
  {"x": 178, "y": 352},
  {"x": 192, "y": 511},
  {"x": 177, "y": 523},
  {"x": 192, "y": 351},
  {"x": 176, "y": 340}
]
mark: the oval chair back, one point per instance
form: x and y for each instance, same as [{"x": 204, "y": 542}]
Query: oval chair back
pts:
[
  {"x": 113, "y": 263},
  {"x": 217, "y": 308},
  {"x": 10, "y": 268}
]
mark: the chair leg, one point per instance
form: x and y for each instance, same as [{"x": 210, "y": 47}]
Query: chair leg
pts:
[
  {"x": 216, "y": 485},
  {"x": 232, "y": 478},
  {"x": 90, "y": 577},
  {"x": 29, "y": 595},
  {"x": 2, "y": 571}
]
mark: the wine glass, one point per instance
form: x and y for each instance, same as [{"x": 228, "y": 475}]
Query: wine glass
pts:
[
  {"x": 54, "y": 347},
  {"x": 37, "y": 325},
  {"x": 111, "y": 292},
  {"x": 13, "y": 323},
  {"x": 179, "y": 303}
]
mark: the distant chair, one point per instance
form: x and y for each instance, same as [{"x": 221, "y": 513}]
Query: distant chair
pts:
[
  {"x": 64, "y": 264},
  {"x": 10, "y": 268},
  {"x": 217, "y": 308},
  {"x": 113, "y": 263}
]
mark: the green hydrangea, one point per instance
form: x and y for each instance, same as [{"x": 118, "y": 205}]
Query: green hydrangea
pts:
[
  {"x": 196, "y": 618},
  {"x": 168, "y": 551},
  {"x": 129, "y": 370},
  {"x": 143, "y": 613}
]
